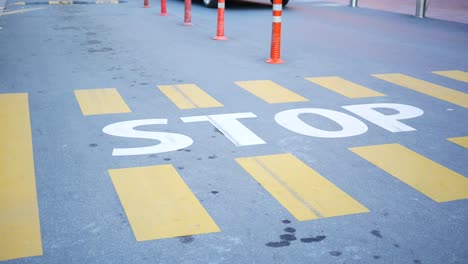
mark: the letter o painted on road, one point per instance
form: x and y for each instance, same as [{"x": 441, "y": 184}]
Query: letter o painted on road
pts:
[{"x": 350, "y": 125}]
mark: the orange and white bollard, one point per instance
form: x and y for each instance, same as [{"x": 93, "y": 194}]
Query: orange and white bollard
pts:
[
  {"x": 163, "y": 8},
  {"x": 188, "y": 13},
  {"x": 275, "y": 52},
  {"x": 146, "y": 4},
  {"x": 220, "y": 30}
]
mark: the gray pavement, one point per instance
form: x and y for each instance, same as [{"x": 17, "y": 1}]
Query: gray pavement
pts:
[
  {"x": 2, "y": 6},
  {"x": 50, "y": 53}
]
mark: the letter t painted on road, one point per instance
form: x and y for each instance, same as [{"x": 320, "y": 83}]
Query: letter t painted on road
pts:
[{"x": 228, "y": 124}]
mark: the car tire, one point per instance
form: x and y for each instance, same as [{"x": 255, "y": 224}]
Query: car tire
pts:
[
  {"x": 210, "y": 3},
  {"x": 285, "y": 2}
]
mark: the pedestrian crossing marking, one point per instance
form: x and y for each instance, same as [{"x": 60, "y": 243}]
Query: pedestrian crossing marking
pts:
[
  {"x": 189, "y": 96},
  {"x": 462, "y": 141},
  {"x": 159, "y": 204},
  {"x": 270, "y": 92},
  {"x": 302, "y": 191},
  {"x": 430, "y": 178},
  {"x": 344, "y": 87},
  {"x": 20, "y": 231},
  {"x": 101, "y": 101},
  {"x": 456, "y": 75},
  {"x": 431, "y": 89}
]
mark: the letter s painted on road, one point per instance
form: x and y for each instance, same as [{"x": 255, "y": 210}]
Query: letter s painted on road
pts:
[{"x": 168, "y": 141}]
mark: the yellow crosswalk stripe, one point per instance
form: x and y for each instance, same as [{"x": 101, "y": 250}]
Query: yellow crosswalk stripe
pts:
[
  {"x": 456, "y": 75},
  {"x": 462, "y": 141},
  {"x": 159, "y": 204},
  {"x": 189, "y": 96},
  {"x": 302, "y": 191},
  {"x": 270, "y": 92},
  {"x": 431, "y": 89},
  {"x": 430, "y": 178},
  {"x": 101, "y": 101},
  {"x": 344, "y": 87},
  {"x": 20, "y": 231}
]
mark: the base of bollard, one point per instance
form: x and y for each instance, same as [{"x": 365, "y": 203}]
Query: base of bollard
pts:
[
  {"x": 163, "y": 14},
  {"x": 274, "y": 61},
  {"x": 146, "y": 6},
  {"x": 220, "y": 38},
  {"x": 188, "y": 24}
]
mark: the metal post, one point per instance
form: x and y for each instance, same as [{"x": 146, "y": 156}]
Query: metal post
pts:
[
  {"x": 353, "y": 3},
  {"x": 421, "y": 8}
]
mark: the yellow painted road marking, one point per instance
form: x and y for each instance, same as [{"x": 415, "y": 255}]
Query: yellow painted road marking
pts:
[
  {"x": 20, "y": 231},
  {"x": 101, "y": 101},
  {"x": 189, "y": 96},
  {"x": 302, "y": 191},
  {"x": 432, "y": 179},
  {"x": 271, "y": 92},
  {"x": 159, "y": 204},
  {"x": 456, "y": 75},
  {"x": 431, "y": 89},
  {"x": 462, "y": 141},
  {"x": 344, "y": 87}
]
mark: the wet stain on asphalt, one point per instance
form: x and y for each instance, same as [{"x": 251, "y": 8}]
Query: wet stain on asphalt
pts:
[
  {"x": 186, "y": 239},
  {"x": 67, "y": 28},
  {"x": 180, "y": 168},
  {"x": 214, "y": 192},
  {"x": 104, "y": 49},
  {"x": 278, "y": 244},
  {"x": 335, "y": 253},
  {"x": 417, "y": 261},
  {"x": 312, "y": 239},
  {"x": 153, "y": 155},
  {"x": 93, "y": 145},
  {"x": 376, "y": 257},
  {"x": 167, "y": 159},
  {"x": 396, "y": 245},
  {"x": 93, "y": 42},
  {"x": 376, "y": 233},
  {"x": 288, "y": 237},
  {"x": 213, "y": 157}
]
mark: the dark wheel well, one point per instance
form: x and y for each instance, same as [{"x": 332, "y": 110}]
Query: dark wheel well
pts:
[
  {"x": 285, "y": 2},
  {"x": 210, "y": 3}
]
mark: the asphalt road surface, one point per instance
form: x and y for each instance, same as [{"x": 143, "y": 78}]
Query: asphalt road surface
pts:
[{"x": 127, "y": 137}]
